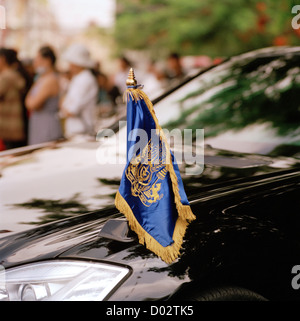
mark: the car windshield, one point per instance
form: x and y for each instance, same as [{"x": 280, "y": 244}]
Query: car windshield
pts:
[{"x": 250, "y": 103}]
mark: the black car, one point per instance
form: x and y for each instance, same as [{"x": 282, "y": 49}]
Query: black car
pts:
[{"x": 63, "y": 239}]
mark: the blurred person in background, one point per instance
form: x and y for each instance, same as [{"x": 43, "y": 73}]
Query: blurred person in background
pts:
[
  {"x": 107, "y": 95},
  {"x": 174, "y": 72},
  {"x": 78, "y": 105},
  {"x": 43, "y": 100},
  {"x": 121, "y": 76},
  {"x": 28, "y": 74},
  {"x": 12, "y": 88},
  {"x": 154, "y": 81},
  {"x": 28, "y": 66}
]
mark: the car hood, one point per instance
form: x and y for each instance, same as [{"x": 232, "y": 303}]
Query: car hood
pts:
[{"x": 65, "y": 180}]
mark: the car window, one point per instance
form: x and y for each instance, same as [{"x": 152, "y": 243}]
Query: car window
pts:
[{"x": 248, "y": 104}]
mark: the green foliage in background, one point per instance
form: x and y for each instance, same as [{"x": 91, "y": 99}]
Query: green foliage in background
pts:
[{"x": 201, "y": 27}]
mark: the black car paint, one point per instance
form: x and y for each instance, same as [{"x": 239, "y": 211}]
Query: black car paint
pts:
[
  {"x": 243, "y": 236},
  {"x": 246, "y": 234}
]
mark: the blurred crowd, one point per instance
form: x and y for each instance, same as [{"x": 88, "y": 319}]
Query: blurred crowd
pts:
[{"x": 39, "y": 103}]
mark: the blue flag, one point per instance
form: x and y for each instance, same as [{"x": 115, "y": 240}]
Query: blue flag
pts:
[{"x": 151, "y": 193}]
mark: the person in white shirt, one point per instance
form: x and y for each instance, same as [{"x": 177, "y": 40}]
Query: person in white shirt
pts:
[{"x": 78, "y": 106}]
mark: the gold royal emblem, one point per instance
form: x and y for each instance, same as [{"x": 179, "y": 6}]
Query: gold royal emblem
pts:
[{"x": 146, "y": 172}]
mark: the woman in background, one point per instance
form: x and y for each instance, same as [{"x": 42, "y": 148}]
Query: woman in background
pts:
[
  {"x": 12, "y": 86},
  {"x": 43, "y": 100}
]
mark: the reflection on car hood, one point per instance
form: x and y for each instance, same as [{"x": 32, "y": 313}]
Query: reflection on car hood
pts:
[{"x": 62, "y": 182}]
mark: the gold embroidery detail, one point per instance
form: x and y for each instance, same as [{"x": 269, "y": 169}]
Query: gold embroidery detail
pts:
[{"x": 149, "y": 166}]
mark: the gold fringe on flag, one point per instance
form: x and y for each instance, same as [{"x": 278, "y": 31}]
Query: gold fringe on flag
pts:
[
  {"x": 168, "y": 253},
  {"x": 185, "y": 214}
]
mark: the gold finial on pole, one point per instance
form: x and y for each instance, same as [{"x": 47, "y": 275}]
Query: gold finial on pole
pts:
[{"x": 131, "y": 81}]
